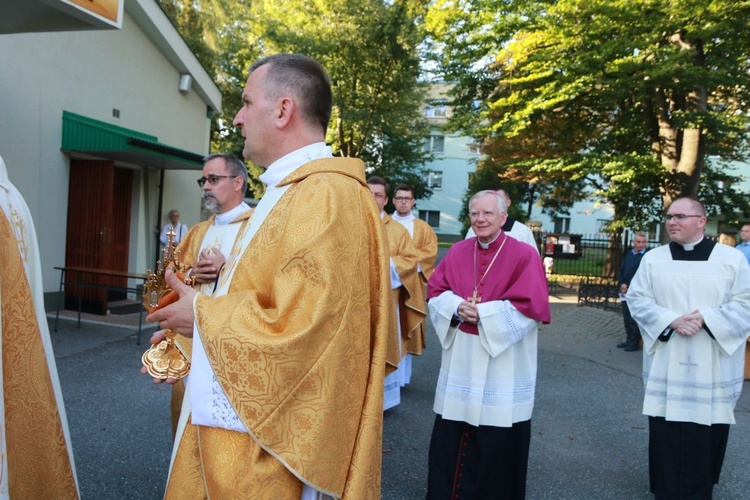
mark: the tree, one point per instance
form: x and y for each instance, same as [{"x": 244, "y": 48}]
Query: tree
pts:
[
  {"x": 633, "y": 99},
  {"x": 370, "y": 49}
]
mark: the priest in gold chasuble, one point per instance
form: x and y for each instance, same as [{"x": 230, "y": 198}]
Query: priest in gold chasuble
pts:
[
  {"x": 211, "y": 248},
  {"x": 407, "y": 298},
  {"x": 425, "y": 243},
  {"x": 289, "y": 404},
  {"x": 37, "y": 458}
]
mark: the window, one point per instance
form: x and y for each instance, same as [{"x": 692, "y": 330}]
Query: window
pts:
[
  {"x": 431, "y": 217},
  {"x": 435, "y": 110},
  {"x": 434, "y": 144},
  {"x": 435, "y": 180},
  {"x": 562, "y": 225}
]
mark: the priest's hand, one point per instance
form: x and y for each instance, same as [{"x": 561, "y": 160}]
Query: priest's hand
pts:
[
  {"x": 157, "y": 337},
  {"x": 178, "y": 316},
  {"x": 688, "y": 324},
  {"x": 209, "y": 263},
  {"x": 468, "y": 312}
]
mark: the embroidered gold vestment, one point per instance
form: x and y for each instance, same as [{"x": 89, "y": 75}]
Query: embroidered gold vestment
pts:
[
  {"x": 410, "y": 296},
  {"x": 298, "y": 346},
  {"x": 36, "y": 442}
]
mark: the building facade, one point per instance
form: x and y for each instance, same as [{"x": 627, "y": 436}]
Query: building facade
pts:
[
  {"x": 102, "y": 132},
  {"x": 454, "y": 161}
]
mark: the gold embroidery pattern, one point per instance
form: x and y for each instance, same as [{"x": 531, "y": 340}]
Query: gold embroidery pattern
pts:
[
  {"x": 299, "y": 377},
  {"x": 186, "y": 480},
  {"x": 18, "y": 226},
  {"x": 38, "y": 461}
]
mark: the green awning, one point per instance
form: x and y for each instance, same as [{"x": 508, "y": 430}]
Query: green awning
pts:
[{"x": 103, "y": 140}]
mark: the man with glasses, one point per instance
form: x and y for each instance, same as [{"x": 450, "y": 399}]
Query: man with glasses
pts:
[
  {"x": 407, "y": 298},
  {"x": 425, "y": 243},
  {"x": 486, "y": 299},
  {"x": 289, "y": 402},
  {"x": 512, "y": 227},
  {"x": 691, "y": 299},
  {"x": 207, "y": 245}
]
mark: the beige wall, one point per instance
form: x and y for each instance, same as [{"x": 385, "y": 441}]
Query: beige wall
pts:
[{"x": 90, "y": 73}]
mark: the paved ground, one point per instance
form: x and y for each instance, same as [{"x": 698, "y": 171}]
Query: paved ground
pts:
[{"x": 589, "y": 439}]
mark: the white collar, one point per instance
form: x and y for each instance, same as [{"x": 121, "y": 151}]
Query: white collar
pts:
[
  {"x": 691, "y": 246},
  {"x": 278, "y": 170},
  {"x": 227, "y": 217},
  {"x": 404, "y": 218},
  {"x": 485, "y": 246}
]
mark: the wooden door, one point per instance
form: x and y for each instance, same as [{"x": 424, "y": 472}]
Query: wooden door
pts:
[{"x": 98, "y": 230}]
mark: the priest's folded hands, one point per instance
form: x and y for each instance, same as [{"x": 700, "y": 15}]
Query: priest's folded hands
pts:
[
  {"x": 688, "y": 324},
  {"x": 210, "y": 262},
  {"x": 468, "y": 312}
]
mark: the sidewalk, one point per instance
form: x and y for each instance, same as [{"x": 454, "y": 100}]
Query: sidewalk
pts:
[{"x": 589, "y": 438}]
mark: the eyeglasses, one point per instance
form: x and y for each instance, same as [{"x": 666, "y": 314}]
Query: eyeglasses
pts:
[
  {"x": 213, "y": 179},
  {"x": 402, "y": 198},
  {"x": 679, "y": 217}
]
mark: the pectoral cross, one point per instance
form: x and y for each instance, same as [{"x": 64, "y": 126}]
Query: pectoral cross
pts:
[{"x": 474, "y": 298}]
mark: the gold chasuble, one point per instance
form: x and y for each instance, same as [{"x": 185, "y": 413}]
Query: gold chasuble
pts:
[
  {"x": 410, "y": 296},
  {"x": 426, "y": 244},
  {"x": 298, "y": 346},
  {"x": 36, "y": 458}
]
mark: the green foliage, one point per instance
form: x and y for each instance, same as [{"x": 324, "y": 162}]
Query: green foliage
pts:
[
  {"x": 369, "y": 48},
  {"x": 622, "y": 101}
]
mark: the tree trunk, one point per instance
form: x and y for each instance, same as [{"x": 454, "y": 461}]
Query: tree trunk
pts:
[{"x": 614, "y": 255}]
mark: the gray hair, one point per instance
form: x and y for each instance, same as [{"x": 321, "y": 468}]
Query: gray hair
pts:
[
  {"x": 234, "y": 166},
  {"x": 500, "y": 199}
]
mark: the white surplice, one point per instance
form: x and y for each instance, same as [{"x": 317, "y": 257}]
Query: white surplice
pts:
[
  {"x": 697, "y": 378},
  {"x": 490, "y": 378}
]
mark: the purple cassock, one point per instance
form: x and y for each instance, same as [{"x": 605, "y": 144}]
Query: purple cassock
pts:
[{"x": 516, "y": 275}]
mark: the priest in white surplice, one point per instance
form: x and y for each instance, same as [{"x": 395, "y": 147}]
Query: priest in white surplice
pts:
[
  {"x": 486, "y": 298},
  {"x": 691, "y": 299}
]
